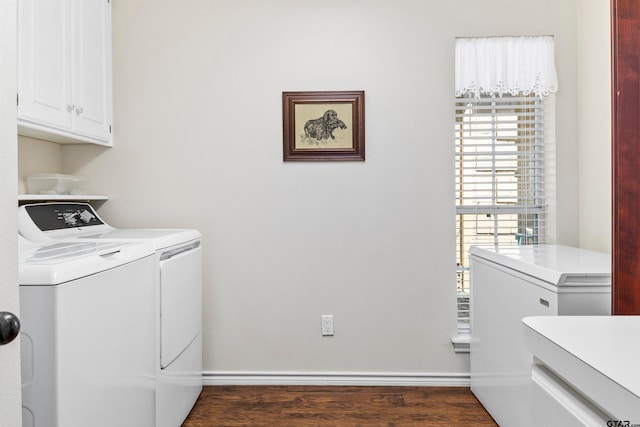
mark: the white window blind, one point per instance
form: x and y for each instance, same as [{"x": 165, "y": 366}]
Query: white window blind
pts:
[{"x": 500, "y": 178}]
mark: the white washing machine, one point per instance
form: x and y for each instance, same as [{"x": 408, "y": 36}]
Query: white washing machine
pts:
[
  {"x": 87, "y": 338},
  {"x": 178, "y": 278}
]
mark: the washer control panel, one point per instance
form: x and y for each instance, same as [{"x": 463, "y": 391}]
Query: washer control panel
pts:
[{"x": 58, "y": 216}]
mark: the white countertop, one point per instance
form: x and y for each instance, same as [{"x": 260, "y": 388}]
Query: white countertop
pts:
[
  {"x": 598, "y": 355},
  {"x": 556, "y": 264}
]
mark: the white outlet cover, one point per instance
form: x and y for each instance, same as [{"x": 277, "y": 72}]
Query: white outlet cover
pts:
[{"x": 327, "y": 324}]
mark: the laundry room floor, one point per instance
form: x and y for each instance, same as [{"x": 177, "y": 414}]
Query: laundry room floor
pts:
[{"x": 337, "y": 406}]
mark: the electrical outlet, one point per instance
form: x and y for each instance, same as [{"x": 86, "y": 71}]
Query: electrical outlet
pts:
[{"x": 327, "y": 324}]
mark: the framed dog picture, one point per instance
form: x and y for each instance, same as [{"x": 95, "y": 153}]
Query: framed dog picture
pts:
[{"x": 323, "y": 126}]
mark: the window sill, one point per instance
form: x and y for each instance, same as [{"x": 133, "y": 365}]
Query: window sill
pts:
[{"x": 461, "y": 343}]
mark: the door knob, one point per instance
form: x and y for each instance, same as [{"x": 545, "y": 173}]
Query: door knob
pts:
[{"x": 9, "y": 327}]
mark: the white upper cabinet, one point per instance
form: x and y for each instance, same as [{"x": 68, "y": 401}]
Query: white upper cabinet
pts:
[{"x": 64, "y": 70}]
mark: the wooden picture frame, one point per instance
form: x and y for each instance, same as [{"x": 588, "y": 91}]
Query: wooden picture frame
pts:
[{"x": 323, "y": 126}]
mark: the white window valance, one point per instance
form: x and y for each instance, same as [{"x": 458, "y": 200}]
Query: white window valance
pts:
[{"x": 497, "y": 65}]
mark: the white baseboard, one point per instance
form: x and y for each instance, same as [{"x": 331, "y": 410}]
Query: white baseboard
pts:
[{"x": 344, "y": 379}]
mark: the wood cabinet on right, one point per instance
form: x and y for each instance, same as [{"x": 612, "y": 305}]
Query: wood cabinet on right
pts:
[
  {"x": 625, "y": 35},
  {"x": 64, "y": 70}
]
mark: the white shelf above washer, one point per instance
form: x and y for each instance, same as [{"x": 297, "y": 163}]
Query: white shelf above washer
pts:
[{"x": 59, "y": 197}]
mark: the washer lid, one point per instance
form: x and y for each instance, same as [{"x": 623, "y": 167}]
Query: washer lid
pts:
[
  {"x": 56, "y": 263},
  {"x": 159, "y": 238}
]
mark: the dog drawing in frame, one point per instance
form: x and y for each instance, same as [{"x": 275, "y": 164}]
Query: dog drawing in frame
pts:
[{"x": 321, "y": 129}]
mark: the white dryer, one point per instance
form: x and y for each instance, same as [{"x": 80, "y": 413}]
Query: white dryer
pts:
[
  {"x": 178, "y": 278},
  {"x": 87, "y": 338}
]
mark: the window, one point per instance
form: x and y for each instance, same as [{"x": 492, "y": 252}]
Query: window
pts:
[
  {"x": 500, "y": 178},
  {"x": 502, "y": 168}
]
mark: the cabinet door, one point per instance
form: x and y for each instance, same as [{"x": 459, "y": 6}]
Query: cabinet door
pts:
[
  {"x": 43, "y": 63},
  {"x": 91, "y": 68}
]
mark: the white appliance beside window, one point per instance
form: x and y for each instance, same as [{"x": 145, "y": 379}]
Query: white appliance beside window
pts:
[{"x": 510, "y": 283}]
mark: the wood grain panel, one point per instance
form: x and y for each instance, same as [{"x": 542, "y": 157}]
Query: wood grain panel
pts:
[
  {"x": 337, "y": 406},
  {"x": 625, "y": 26}
]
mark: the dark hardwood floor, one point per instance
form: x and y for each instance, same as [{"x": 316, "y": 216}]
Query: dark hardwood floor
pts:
[{"x": 337, "y": 406}]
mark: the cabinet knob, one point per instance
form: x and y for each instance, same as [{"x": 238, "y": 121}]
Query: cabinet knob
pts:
[
  {"x": 79, "y": 110},
  {"x": 70, "y": 107}
]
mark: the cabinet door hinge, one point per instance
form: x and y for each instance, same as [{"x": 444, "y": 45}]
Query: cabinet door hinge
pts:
[
  {"x": 17, "y": 99},
  {"x": 109, "y": 128}
]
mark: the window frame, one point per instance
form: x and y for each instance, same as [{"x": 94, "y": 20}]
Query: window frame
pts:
[{"x": 531, "y": 132}]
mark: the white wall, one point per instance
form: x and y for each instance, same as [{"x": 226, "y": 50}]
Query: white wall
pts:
[
  {"x": 198, "y": 143},
  {"x": 36, "y": 156},
  {"x": 594, "y": 123}
]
